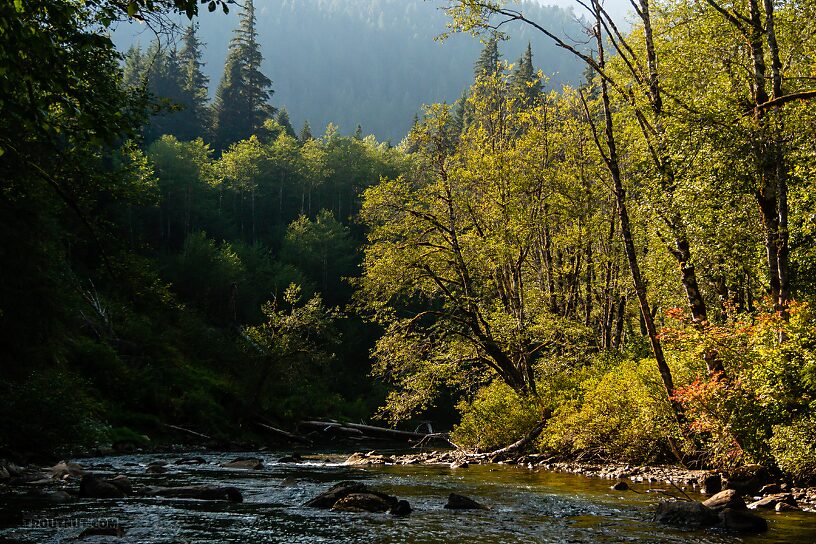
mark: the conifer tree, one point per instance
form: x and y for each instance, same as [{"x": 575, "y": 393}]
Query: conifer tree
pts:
[
  {"x": 305, "y": 133},
  {"x": 166, "y": 87},
  {"x": 462, "y": 115},
  {"x": 283, "y": 120},
  {"x": 134, "y": 68},
  {"x": 488, "y": 61},
  {"x": 524, "y": 81},
  {"x": 194, "y": 119},
  {"x": 242, "y": 99}
]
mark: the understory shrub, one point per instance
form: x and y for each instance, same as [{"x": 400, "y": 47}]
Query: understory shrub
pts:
[
  {"x": 495, "y": 417},
  {"x": 622, "y": 414},
  {"x": 794, "y": 449}
]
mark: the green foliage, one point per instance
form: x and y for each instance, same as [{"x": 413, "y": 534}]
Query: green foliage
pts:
[
  {"x": 323, "y": 250},
  {"x": 794, "y": 448},
  {"x": 496, "y": 417},
  {"x": 617, "y": 412},
  {"x": 50, "y": 410},
  {"x": 296, "y": 339}
]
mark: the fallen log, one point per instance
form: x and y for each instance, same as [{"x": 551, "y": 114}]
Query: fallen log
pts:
[
  {"x": 364, "y": 430},
  {"x": 285, "y": 434},
  {"x": 188, "y": 431}
]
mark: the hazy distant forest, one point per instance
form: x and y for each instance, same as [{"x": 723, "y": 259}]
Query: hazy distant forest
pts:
[
  {"x": 367, "y": 62},
  {"x": 621, "y": 268}
]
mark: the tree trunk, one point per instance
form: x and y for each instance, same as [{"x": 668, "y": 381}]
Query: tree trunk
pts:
[{"x": 611, "y": 159}]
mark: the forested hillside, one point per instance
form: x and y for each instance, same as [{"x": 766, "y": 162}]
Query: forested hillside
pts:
[{"x": 367, "y": 62}]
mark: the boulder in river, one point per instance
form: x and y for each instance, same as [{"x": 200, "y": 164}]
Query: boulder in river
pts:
[
  {"x": 402, "y": 508},
  {"x": 748, "y": 479},
  {"x": 155, "y": 469},
  {"x": 99, "y": 488},
  {"x": 770, "y": 502},
  {"x": 357, "y": 497},
  {"x": 365, "y": 502},
  {"x": 371, "y": 458},
  {"x": 689, "y": 514},
  {"x": 620, "y": 486},
  {"x": 725, "y": 499},
  {"x": 741, "y": 521},
  {"x": 711, "y": 484},
  {"x": 771, "y": 489},
  {"x": 123, "y": 483},
  {"x": 327, "y": 499},
  {"x": 64, "y": 469},
  {"x": 199, "y": 492},
  {"x": 460, "y": 502},
  {"x": 246, "y": 463},
  {"x": 695, "y": 515}
]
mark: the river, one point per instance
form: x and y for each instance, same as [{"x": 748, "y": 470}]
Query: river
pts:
[{"x": 525, "y": 506}]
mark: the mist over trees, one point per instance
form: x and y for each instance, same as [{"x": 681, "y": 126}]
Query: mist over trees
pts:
[{"x": 367, "y": 62}]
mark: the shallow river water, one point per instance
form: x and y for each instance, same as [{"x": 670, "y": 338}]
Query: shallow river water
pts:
[{"x": 525, "y": 506}]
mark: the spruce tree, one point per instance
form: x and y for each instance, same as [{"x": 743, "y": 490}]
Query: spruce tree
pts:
[
  {"x": 488, "y": 61},
  {"x": 242, "y": 99},
  {"x": 524, "y": 81},
  {"x": 166, "y": 88},
  {"x": 133, "y": 75},
  {"x": 305, "y": 133},
  {"x": 283, "y": 120},
  {"x": 194, "y": 119}
]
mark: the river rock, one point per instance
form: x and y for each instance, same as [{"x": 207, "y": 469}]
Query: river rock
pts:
[
  {"x": 785, "y": 507},
  {"x": 370, "y": 458},
  {"x": 748, "y": 479},
  {"x": 365, "y": 502},
  {"x": 725, "y": 499},
  {"x": 620, "y": 486},
  {"x": 98, "y": 488},
  {"x": 123, "y": 483},
  {"x": 246, "y": 463},
  {"x": 459, "y": 464},
  {"x": 770, "y": 502},
  {"x": 327, "y": 499},
  {"x": 64, "y": 469},
  {"x": 685, "y": 514},
  {"x": 191, "y": 461},
  {"x": 199, "y": 492},
  {"x": 402, "y": 508},
  {"x": 742, "y": 521},
  {"x": 770, "y": 489},
  {"x": 711, "y": 484},
  {"x": 155, "y": 469},
  {"x": 460, "y": 502}
]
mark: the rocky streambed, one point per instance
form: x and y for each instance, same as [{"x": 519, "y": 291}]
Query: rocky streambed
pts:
[{"x": 387, "y": 497}]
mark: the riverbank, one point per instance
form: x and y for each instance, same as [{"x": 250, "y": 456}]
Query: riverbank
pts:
[{"x": 752, "y": 481}]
